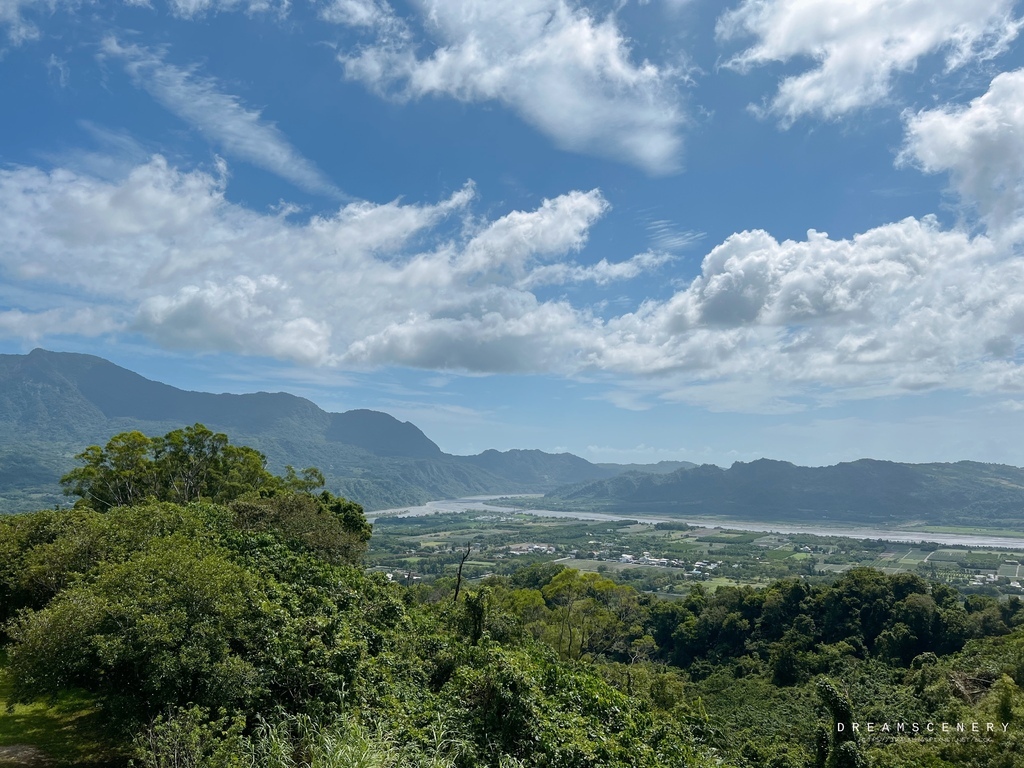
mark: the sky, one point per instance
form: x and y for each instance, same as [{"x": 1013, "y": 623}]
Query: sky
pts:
[{"x": 633, "y": 230}]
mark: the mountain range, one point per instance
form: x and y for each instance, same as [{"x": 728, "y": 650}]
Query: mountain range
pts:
[
  {"x": 865, "y": 492},
  {"x": 55, "y": 404}
]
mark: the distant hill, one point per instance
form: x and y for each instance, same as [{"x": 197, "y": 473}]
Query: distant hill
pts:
[
  {"x": 661, "y": 468},
  {"x": 55, "y": 404},
  {"x": 865, "y": 492}
]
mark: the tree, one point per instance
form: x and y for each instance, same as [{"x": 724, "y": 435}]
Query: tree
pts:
[
  {"x": 119, "y": 475},
  {"x": 840, "y": 745},
  {"x": 173, "y": 624},
  {"x": 184, "y": 465},
  {"x": 331, "y": 526},
  {"x": 191, "y": 462}
]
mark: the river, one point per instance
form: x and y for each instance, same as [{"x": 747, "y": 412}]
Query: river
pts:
[{"x": 480, "y": 503}]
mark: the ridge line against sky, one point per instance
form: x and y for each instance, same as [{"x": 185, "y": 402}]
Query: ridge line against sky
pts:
[{"x": 632, "y": 230}]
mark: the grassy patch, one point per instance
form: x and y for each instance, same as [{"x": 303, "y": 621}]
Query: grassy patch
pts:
[
  {"x": 68, "y": 731},
  {"x": 915, "y": 556}
]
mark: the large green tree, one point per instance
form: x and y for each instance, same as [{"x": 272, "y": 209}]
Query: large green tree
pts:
[{"x": 182, "y": 466}]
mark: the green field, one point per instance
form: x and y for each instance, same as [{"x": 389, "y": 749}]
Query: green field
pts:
[
  {"x": 62, "y": 733},
  {"x": 431, "y": 546}
]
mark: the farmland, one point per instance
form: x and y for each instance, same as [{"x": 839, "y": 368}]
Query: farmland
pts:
[{"x": 667, "y": 558}]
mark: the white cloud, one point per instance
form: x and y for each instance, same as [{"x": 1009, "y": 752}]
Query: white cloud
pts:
[
  {"x": 189, "y": 9},
  {"x": 980, "y": 145},
  {"x": 58, "y": 71},
  {"x": 19, "y": 28},
  {"x": 904, "y": 307},
  {"x": 602, "y": 273},
  {"x": 33, "y": 326},
  {"x": 858, "y": 47},
  {"x": 509, "y": 244},
  {"x": 166, "y": 251},
  {"x": 565, "y": 72},
  {"x": 358, "y": 13},
  {"x": 219, "y": 116}
]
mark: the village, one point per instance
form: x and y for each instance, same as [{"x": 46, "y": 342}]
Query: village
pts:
[{"x": 667, "y": 558}]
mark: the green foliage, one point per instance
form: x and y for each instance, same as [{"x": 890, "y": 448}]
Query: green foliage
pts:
[
  {"x": 234, "y": 630},
  {"x": 330, "y": 526},
  {"x": 43, "y": 553},
  {"x": 182, "y": 466},
  {"x": 303, "y": 742},
  {"x": 190, "y": 738},
  {"x": 176, "y": 622}
]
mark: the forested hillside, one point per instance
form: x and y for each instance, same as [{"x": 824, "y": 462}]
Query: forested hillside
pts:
[
  {"x": 208, "y": 612},
  {"x": 865, "y": 492},
  {"x": 53, "y": 405}
]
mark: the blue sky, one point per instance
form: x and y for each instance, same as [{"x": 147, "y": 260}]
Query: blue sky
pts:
[{"x": 672, "y": 229}]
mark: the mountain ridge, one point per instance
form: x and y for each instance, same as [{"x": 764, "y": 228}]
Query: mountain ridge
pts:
[
  {"x": 54, "y": 404},
  {"x": 864, "y": 491}
]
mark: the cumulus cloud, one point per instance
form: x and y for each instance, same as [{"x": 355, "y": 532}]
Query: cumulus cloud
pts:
[
  {"x": 165, "y": 250},
  {"x": 903, "y": 307},
  {"x": 221, "y": 117},
  {"x": 859, "y": 47},
  {"x": 567, "y": 73},
  {"x": 981, "y": 146}
]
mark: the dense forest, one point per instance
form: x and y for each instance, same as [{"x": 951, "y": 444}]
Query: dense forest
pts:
[{"x": 215, "y": 614}]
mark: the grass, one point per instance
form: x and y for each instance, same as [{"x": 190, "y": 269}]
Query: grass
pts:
[
  {"x": 68, "y": 732},
  {"x": 915, "y": 556}
]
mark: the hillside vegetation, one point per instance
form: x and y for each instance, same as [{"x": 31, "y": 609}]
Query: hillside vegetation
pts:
[
  {"x": 229, "y": 623},
  {"x": 867, "y": 492},
  {"x": 53, "y": 405}
]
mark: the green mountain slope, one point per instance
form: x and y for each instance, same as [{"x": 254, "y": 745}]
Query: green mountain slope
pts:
[
  {"x": 864, "y": 491},
  {"x": 54, "y": 404}
]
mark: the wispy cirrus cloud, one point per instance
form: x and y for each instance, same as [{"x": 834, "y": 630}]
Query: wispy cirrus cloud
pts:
[
  {"x": 189, "y": 9},
  {"x": 564, "y": 71},
  {"x": 602, "y": 273},
  {"x": 20, "y": 26},
  {"x": 665, "y": 235},
  {"x": 20, "y": 17},
  {"x": 221, "y": 117}
]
